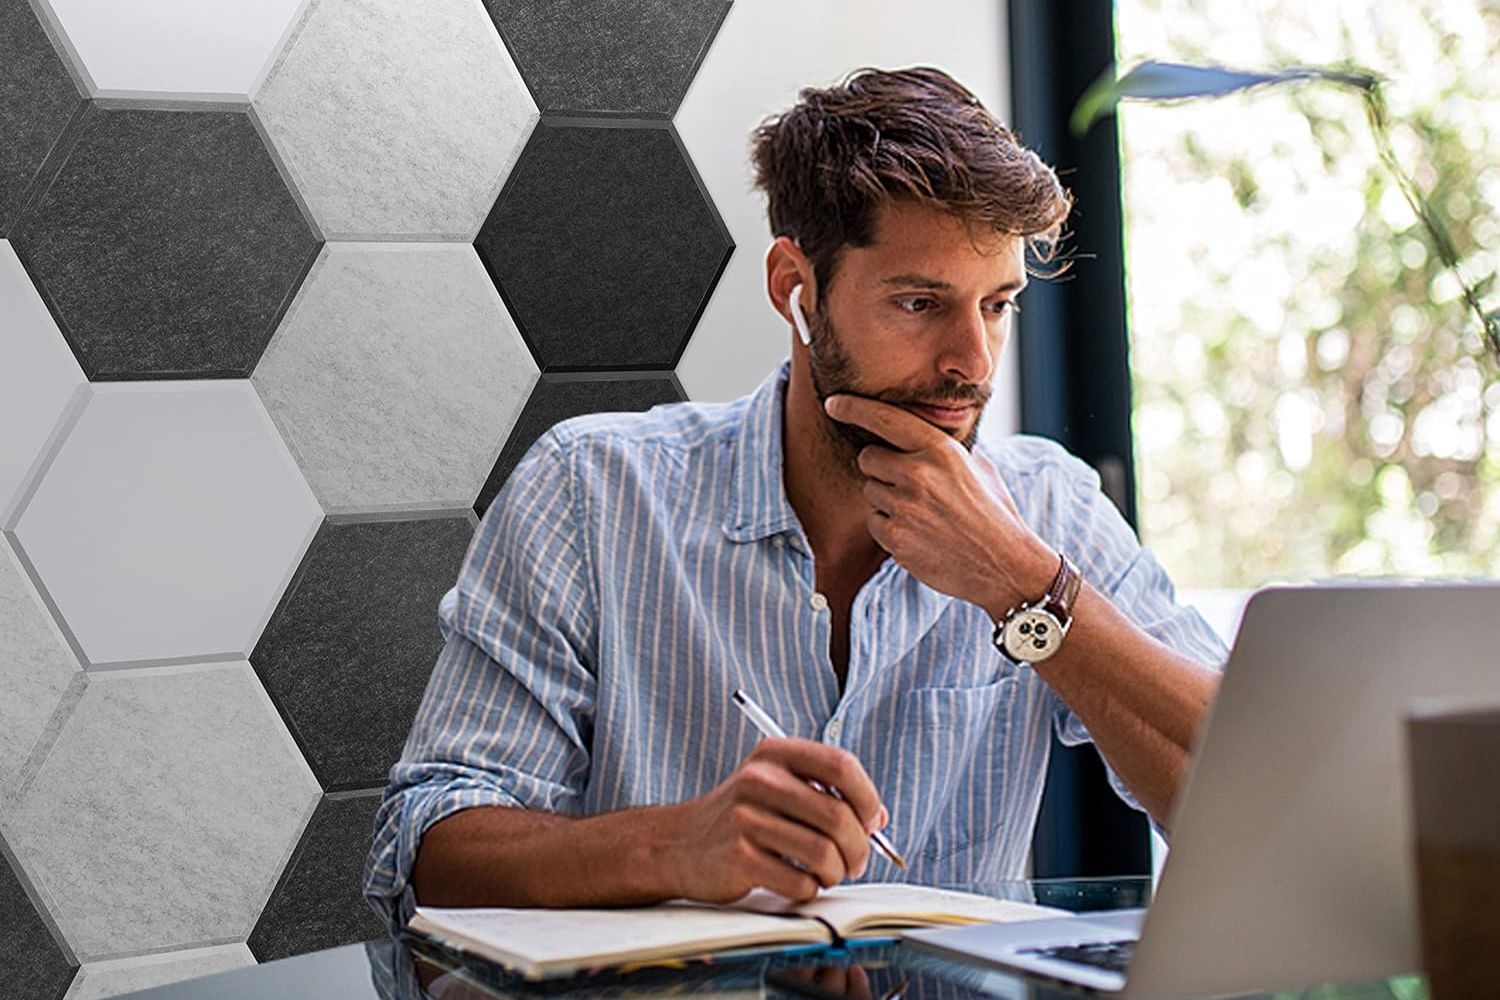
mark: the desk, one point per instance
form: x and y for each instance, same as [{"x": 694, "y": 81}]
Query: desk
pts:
[{"x": 391, "y": 970}]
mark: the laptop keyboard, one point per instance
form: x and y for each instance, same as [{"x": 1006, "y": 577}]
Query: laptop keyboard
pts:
[{"x": 1110, "y": 955}]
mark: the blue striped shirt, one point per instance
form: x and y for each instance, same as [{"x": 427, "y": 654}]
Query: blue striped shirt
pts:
[{"x": 637, "y": 568}]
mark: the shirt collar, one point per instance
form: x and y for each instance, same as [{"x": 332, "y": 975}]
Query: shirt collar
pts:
[{"x": 758, "y": 506}]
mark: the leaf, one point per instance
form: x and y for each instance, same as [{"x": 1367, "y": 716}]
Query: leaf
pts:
[{"x": 1163, "y": 81}]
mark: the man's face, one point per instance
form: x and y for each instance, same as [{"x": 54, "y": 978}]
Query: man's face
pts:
[{"x": 916, "y": 319}]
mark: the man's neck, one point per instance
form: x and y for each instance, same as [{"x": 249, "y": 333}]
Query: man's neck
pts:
[{"x": 822, "y": 484}]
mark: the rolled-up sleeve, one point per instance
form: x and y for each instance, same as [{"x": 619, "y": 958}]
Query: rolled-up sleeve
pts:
[
  {"x": 506, "y": 719},
  {"x": 1111, "y": 557}
]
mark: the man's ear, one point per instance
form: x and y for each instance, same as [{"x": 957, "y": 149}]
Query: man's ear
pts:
[{"x": 787, "y": 267}]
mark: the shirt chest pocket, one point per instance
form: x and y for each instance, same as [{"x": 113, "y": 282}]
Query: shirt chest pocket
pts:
[{"x": 954, "y": 742}]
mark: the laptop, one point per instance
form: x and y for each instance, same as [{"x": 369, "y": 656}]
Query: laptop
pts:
[{"x": 1291, "y": 861}]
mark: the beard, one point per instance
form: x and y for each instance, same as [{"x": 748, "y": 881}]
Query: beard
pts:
[{"x": 833, "y": 372}]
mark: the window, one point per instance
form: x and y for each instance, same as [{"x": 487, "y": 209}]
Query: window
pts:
[{"x": 1310, "y": 397}]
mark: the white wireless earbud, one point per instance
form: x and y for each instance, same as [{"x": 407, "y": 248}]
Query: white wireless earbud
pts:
[{"x": 799, "y": 319}]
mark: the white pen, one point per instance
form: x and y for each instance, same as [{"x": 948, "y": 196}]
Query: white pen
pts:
[{"x": 767, "y": 726}]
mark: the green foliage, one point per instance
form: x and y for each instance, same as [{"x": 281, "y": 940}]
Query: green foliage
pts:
[{"x": 1311, "y": 390}]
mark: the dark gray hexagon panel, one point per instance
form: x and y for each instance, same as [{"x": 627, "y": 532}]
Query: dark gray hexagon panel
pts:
[
  {"x": 556, "y": 398},
  {"x": 37, "y": 99},
  {"x": 319, "y": 901},
  {"x": 624, "y": 57},
  {"x": 31, "y": 963},
  {"x": 167, "y": 245},
  {"x": 604, "y": 246},
  {"x": 348, "y": 651}
]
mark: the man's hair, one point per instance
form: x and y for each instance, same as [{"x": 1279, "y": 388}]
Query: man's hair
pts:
[{"x": 917, "y": 134}]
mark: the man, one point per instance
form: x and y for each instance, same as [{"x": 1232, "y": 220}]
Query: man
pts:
[{"x": 835, "y": 544}]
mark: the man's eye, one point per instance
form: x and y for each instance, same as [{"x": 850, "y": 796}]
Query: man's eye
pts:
[
  {"x": 917, "y": 305},
  {"x": 1002, "y": 308}
]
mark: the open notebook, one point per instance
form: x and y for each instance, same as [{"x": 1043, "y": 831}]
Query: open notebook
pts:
[{"x": 542, "y": 943}]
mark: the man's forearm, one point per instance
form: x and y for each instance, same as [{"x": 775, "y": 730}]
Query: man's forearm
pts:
[
  {"x": 1142, "y": 702},
  {"x": 494, "y": 856}
]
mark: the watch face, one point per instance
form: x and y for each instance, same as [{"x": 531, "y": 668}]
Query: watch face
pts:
[{"x": 1032, "y": 635}]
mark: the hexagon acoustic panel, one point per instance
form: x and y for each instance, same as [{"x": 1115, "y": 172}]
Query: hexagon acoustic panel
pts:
[
  {"x": 397, "y": 119},
  {"x": 36, "y": 669},
  {"x": 168, "y": 523},
  {"x": 171, "y": 795},
  {"x": 213, "y": 51},
  {"x": 395, "y": 376},
  {"x": 556, "y": 398},
  {"x": 319, "y": 900},
  {"x": 97, "y": 980},
  {"x": 625, "y": 57},
  {"x": 349, "y": 650},
  {"x": 167, "y": 244},
  {"x": 604, "y": 246},
  {"x": 32, "y": 964},
  {"x": 37, "y": 382}
]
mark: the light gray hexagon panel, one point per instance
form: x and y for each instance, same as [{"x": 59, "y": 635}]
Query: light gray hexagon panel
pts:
[
  {"x": 397, "y": 120},
  {"x": 183, "y": 49},
  {"x": 37, "y": 380},
  {"x": 97, "y": 980},
  {"x": 169, "y": 522},
  {"x": 396, "y": 376},
  {"x": 165, "y": 810},
  {"x": 36, "y": 668}
]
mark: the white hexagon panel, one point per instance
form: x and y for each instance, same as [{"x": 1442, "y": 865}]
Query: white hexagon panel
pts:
[
  {"x": 168, "y": 523},
  {"x": 38, "y": 379},
  {"x": 164, "y": 812},
  {"x": 396, "y": 376},
  {"x": 397, "y": 120},
  {"x": 36, "y": 669},
  {"x": 184, "y": 49}
]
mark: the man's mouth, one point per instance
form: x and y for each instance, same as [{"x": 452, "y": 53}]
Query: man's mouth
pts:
[{"x": 951, "y": 416}]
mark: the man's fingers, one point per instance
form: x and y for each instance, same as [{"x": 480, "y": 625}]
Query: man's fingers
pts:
[
  {"x": 905, "y": 430},
  {"x": 831, "y": 766},
  {"x": 824, "y": 858},
  {"x": 777, "y": 793},
  {"x": 880, "y": 463}
]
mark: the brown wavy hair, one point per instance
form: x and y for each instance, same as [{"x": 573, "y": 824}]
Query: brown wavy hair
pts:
[{"x": 829, "y": 162}]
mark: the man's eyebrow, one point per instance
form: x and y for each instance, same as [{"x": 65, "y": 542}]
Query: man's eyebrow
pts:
[{"x": 933, "y": 284}]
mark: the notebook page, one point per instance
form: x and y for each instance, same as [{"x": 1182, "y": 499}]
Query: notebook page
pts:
[
  {"x": 893, "y": 905},
  {"x": 541, "y": 937}
]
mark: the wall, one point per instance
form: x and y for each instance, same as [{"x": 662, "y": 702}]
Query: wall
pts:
[{"x": 286, "y": 289}]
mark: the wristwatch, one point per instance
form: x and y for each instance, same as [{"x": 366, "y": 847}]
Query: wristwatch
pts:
[{"x": 1034, "y": 630}]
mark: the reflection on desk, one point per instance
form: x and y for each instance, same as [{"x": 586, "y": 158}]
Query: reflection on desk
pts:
[{"x": 400, "y": 970}]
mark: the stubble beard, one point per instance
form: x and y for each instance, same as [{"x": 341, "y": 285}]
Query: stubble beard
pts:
[{"x": 832, "y": 372}]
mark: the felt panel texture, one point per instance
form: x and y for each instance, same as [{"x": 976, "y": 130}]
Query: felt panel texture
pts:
[
  {"x": 347, "y": 654},
  {"x": 604, "y": 246},
  {"x": 397, "y": 120},
  {"x": 396, "y": 376},
  {"x": 619, "y": 57},
  {"x": 167, "y": 244},
  {"x": 173, "y": 796},
  {"x": 319, "y": 901},
  {"x": 37, "y": 100}
]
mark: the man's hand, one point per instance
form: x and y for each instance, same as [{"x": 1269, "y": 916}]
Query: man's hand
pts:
[
  {"x": 747, "y": 832},
  {"x": 942, "y": 512}
]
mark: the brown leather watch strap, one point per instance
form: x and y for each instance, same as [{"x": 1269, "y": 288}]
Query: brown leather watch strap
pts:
[{"x": 1064, "y": 590}]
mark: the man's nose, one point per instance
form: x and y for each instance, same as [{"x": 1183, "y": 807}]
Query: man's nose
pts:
[{"x": 969, "y": 348}]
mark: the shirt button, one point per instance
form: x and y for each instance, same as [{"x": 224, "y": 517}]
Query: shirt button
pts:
[
  {"x": 818, "y": 602},
  {"x": 778, "y": 540},
  {"x": 834, "y": 728}
]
